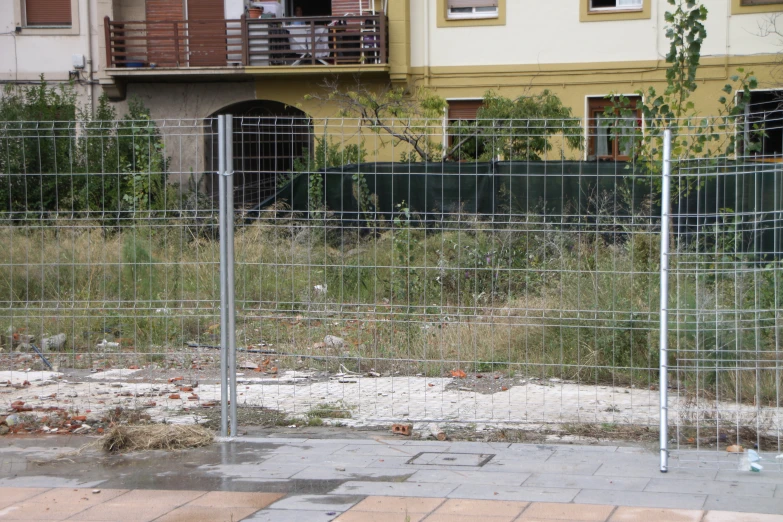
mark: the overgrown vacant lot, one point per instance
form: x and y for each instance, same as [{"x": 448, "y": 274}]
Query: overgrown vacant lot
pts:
[{"x": 576, "y": 301}]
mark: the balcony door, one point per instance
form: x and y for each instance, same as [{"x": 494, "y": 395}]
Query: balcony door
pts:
[
  {"x": 207, "y": 33},
  {"x": 165, "y": 32}
]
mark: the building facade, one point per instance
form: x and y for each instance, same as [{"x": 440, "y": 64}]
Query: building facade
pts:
[{"x": 197, "y": 58}]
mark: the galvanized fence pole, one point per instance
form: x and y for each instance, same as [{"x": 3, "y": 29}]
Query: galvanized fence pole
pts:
[
  {"x": 229, "y": 260},
  {"x": 224, "y": 326},
  {"x": 664, "y": 307}
]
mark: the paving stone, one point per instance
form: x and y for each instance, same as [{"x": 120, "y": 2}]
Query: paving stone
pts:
[
  {"x": 256, "y": 472},
  {"x": 330, "y": 473},
  {"x": 435, "y": 517},
  {"x": 726, "y": 516},
  {"x": 379, "y": 450},
  {"x": 570, "y": 448},
  {"x": 629, "y": 467},
  {"x": 397, "y": 505},
  {"x": 478, "y": 447},
  {"x": 563, "y": 466},
  {"x": 361, "y": 516},
  {"x": 343, "y": 461},
  {"x": 480, "y": 508},
  {"x": 316, "y": 503},
  {"x": 395, "y": 463},
  {"x": 632, "y": 450},
  {"x": 206, "y": 514},
  {"x": 292, "y": 515},
  {"x": 749, "y": 477},
  {"x": 469, "y": 476},
  {"x": 11, "y": 496},
  {"x": 570, "y": 512},
  {"x": 452, "y": 459},
  {"x": 548, "y": 480},
  {"x": 519, "y": 494},
  {"x": 308, "y": 449},
  {"x": 398, "y": 489},
  {"x": 640, "y": 499},
  {"x": 709, "y": 487},
  {"x": 744, "y": 504},
  {"x": 40, "y": 481},
  {"x": 635, "y": 514}
]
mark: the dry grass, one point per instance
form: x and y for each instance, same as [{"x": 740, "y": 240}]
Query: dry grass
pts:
[{"x": 121, "y": 439}]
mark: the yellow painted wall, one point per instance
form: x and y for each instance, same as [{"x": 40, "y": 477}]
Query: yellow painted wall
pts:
[{"x": 574, "y": 82}]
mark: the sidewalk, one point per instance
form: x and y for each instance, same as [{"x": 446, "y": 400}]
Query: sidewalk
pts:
[{"x": 377, "y": 479}]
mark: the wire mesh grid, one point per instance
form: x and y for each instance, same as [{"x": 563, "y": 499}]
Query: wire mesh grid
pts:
[
  {"x": 492, "y": 273},
  {"x": 418, "y": 277},
  {"x": 109, "y": 269},
  {"x": 726, "y": 305}
]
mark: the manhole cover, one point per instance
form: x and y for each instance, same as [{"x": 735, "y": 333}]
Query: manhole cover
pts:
[{"x": 451, "y": 459}]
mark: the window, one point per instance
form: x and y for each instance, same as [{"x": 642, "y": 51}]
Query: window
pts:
[
  {"x": 764, "y": 124},
  {"x": 615, "y": 5},
  {"x": 47, "y": 13},
  {"x": 462, "y": 116},
  {"x": 610, "y": 135},
  {"x": 760, "y": 2},
  {"x": 472, "y": 9}
]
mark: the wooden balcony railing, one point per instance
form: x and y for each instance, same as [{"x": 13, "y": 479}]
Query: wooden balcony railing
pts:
[{"x": 247, "y": 42}]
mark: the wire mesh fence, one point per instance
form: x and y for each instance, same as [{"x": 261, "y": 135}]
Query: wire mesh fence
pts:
[
  {"x": 493, "y": 273},
  {"x": 726, "y": 315}
]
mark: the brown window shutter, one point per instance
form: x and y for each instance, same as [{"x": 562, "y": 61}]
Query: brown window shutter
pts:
[
  {"x": 464, "y": 109},
  {"x": 47, "y": 12},
  {"x": 206, "y": 10}
]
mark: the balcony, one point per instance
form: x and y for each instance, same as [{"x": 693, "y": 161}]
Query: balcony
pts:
[{"x": 246, "y": 46}]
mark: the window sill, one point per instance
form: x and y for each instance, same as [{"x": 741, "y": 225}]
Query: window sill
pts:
[
  {"x": 613, "y": 11},
  {"x": 472, "y": 18},
  {"x": 50, "y": 30}
]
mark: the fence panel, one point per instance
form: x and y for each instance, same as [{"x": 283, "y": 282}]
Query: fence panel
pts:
[
  {"x": 726, "y": 307},
  {"x": 394, "y": 286},
  {"x": 496, "y": 274},
  {"x": 108, "y": 268}
]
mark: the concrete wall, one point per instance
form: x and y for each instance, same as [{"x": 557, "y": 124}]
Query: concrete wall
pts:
[
  {"x": 552, "y": 32},
  {"x": 179, "y": 109}
]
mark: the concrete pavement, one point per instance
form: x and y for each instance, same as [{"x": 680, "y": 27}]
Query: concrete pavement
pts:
[{"x": 375, "y": 477}]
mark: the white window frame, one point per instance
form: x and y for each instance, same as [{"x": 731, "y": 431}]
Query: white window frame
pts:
[
  {"x": 54, "y": 30},
  {"x": 451, "y": 15},
  {"x": 616, "y": 8}
]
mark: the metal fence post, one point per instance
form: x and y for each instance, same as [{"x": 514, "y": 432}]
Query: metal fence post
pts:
[
  {"x": 224, "y": 327},
  {"x": 229, "y": 259},
  {"x": 664, "y": 307}
]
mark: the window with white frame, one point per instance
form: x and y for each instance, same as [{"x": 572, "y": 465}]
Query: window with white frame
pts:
[
  {"x": 615, "y": 5},
  {"x": 472, "y": 9}
]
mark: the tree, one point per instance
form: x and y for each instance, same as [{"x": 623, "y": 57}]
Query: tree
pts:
[
  {"x": 693, "y": 135},
  {"x": 510, "y": 128},
  {"x": 523, "y": 128},
  {"x": 55, "y": 157}
]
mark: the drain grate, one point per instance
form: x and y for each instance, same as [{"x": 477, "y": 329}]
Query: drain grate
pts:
[{"x": 475, "y": 460}]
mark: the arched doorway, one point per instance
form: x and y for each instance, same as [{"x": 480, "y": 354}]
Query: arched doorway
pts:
[{"x": 268, "y": 137}]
